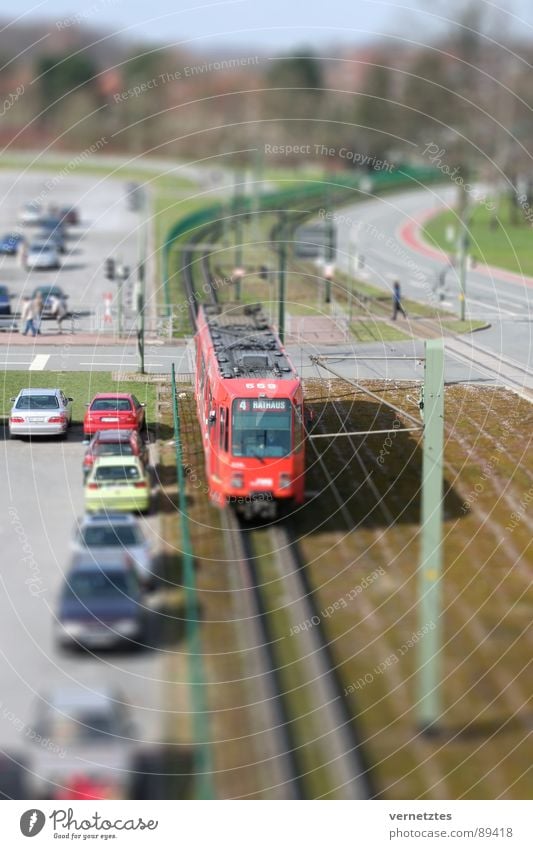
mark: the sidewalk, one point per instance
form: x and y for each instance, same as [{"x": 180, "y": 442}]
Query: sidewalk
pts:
[
  {"x": 319, "y": 330},
  {"x": 46, "y": 339}
]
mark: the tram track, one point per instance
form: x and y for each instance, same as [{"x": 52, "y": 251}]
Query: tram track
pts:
[{"x": 330, "y": 728}]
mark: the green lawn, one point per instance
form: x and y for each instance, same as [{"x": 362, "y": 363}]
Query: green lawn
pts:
[
  {"x": 79, "y": 385},
  {"x": 458, "y": 326},
  {"x": 493, "y": 240},
  {"x": 377, "y": 331}
]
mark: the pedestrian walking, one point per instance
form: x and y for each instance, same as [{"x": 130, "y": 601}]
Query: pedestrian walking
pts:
[
  {"x": 37, "y": 307},
  {"x": 397, "y": 301},
  {"x": 26, "y": 316}
]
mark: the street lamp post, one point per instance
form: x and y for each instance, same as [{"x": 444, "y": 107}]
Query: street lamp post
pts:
[
  {"x": 122, "y": 272},
  {"x": 238, "y": 224},
  {"x": 329, "y": 253},
  {"x": 141, "y": 285},
  {"x": 464, "y": 242}
]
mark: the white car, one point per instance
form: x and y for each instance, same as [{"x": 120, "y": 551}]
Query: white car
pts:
[
  {"x": 116, "y": 534},
  {"x": 31, "y": 213},
  {"x": 81, "y": 736},
  {"x": 43, "y": 255},
  {"x": 40, "y": 412}
]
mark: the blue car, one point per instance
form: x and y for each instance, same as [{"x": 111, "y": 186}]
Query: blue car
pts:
[
  {"x": 5, "y": 301},
  {"x": 100, "y": 604},
  {"x": 10, "y": 242}
]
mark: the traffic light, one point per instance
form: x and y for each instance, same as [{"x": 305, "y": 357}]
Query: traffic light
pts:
[{"x": 110, "y": 269}]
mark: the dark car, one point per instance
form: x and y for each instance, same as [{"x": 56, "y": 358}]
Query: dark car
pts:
[
  {"x": 54, "y": 237},
  {"x": 5, "y": 301},
  {"x": 69, "y": 215},
  {"x": 100, "y": 603},
  {"x": 47, "y": 293},
  {"x": 10, "y": 243},
  {"x": 53, "y": 222},
  {"x": 126, "y": 443}
]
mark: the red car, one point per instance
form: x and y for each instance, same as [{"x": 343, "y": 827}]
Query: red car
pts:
[
  {"x": 109, "y": 442},
  {"x": 113, "y": 410}
]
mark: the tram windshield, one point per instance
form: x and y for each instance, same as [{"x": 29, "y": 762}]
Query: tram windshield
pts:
[{"x": 261, "y": 427}]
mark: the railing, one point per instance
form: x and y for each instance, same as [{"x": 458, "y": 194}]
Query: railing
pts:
[{"x": 197, "y": 682}]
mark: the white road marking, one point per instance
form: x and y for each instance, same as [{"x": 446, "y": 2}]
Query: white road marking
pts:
[
  {"x": 39, "y": 362},
  {"x": 117, "y": 365}
]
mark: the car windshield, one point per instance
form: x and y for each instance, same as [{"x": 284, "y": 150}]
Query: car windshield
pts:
[
  {"x": 109, "y": 536},
  {"x": 86, "y": 727},
  {"x": 261, "y": 427},
  {"x": 116, "y": 473},
  {"x": 41, "y": 247},
  {"x": 113, "y": 405},
  {"x": 4, "y": 292},
  {"x": 111, "y": 448},
  {"x": 48, "y": 293},
  {"x": 37, "y": 402},
  {"x": 93, "y": 583}
]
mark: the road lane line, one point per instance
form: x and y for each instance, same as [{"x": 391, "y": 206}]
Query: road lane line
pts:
[
  {"x": 117, "y": 365},
  {"x": 39, "y": 362}
]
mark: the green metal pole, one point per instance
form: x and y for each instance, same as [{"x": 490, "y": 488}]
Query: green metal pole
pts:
[
  {"x": 203, "y": 769},
  {"x": 257, "y": 183},
  {"x": 120, "y": 284},
  {"x": 141, "y": 293},
  {"x": 463, "y": 256},
  {"x": 429, "y": 705},
  {"x": 140, "y": 320},
  {"x": 282, "y": 254},
  {"x": 166, "y": 251},
  {"x": 330, "y": 252}
]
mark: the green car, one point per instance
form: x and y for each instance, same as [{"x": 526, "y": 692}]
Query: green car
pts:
[{"x": 117, "y": 483}]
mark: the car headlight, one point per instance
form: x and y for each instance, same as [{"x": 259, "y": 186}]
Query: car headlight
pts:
[
  {"x": 126, "y": 627},
  {"x": 73, "y": 629}
]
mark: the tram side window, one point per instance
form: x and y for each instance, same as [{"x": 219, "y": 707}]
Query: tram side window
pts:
[
  {"x": 223, "y": 429},
  {"x": 298, "y": 427},
  {"x": 202, "y": 373}
]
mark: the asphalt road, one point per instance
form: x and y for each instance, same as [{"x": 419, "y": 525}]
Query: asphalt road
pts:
[
  {"x": 379, "y": 231},
  {"x": 385, "y": 360},
  {"x": 42, "y": 496},
  {"x": 107, "y": 228}
]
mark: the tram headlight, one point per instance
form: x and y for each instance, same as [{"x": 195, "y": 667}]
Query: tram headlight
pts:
[
  {"x": 237, "y": 480},
  {"x": 284, "y": 480}
]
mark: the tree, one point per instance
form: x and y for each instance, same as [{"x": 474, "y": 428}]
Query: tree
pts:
[
  {"x": 303, "y": 70},
  {"x": 60, "y": 76}
]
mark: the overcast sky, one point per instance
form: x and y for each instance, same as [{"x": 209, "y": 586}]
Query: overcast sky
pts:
[{"x": 267, "y": 24}]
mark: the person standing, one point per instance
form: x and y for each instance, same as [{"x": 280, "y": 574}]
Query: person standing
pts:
[
  {"x": 37, "y": 312},
  {"x": 26, "y": 317},
  {"x": 397, "y": 301}
]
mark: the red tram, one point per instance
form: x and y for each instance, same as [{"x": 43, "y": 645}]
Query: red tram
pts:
[{"x": 250, "y": 407}]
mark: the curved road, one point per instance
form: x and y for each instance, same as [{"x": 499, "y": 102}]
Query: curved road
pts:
[{"x": 384, "y": 231}]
